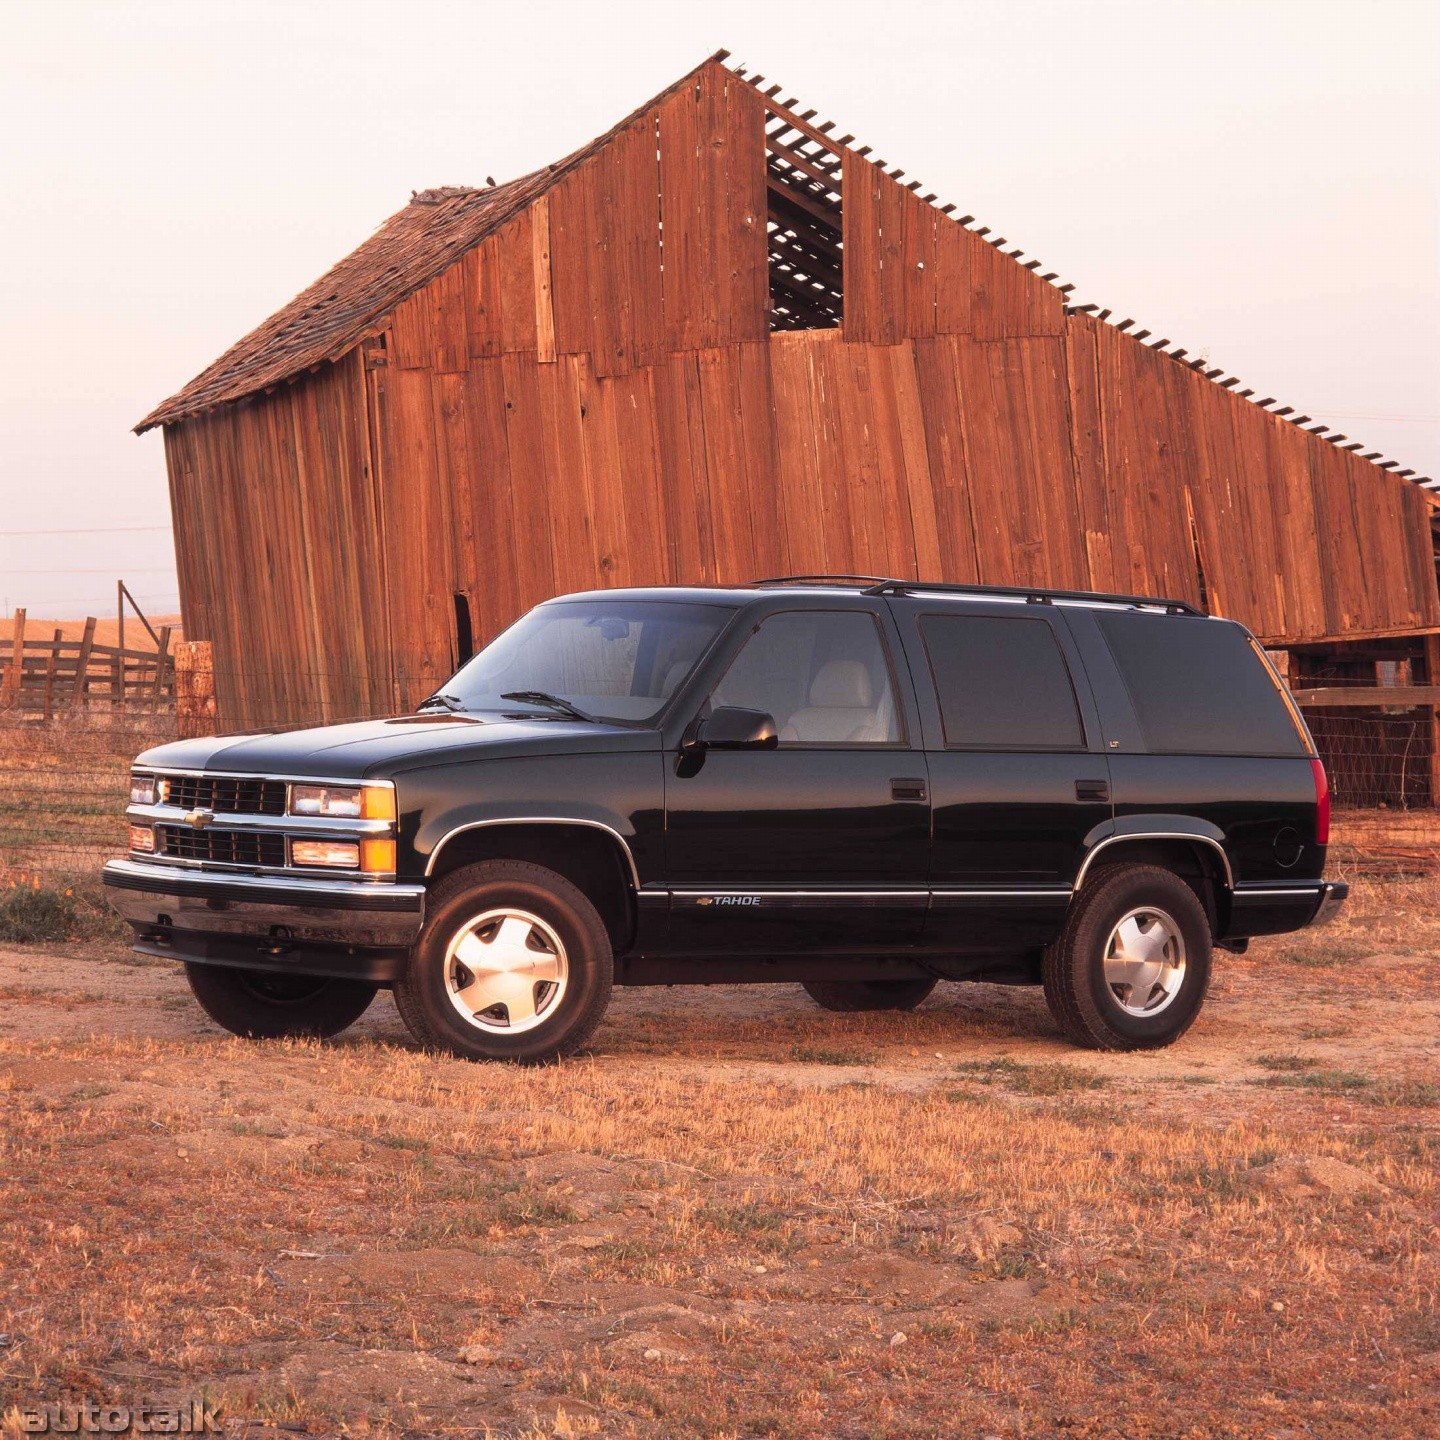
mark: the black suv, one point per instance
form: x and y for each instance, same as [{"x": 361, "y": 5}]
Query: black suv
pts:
[{"x": 865, "y": 786}]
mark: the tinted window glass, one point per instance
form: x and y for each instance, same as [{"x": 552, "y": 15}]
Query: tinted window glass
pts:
[
  {"x": 822, "y": 676},
  {"x": 1003, "y": 683},
  {"x": 1198, "y": 687}
]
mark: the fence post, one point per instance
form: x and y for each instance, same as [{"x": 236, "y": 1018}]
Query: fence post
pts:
[
  {"x": 118, "y": 703},
  {"x": 10, "y": 692},
  {"x": 162, "y": 658},
  {"x": 51, "y": 660},
  {"x": 81, "y": 691},
  {"x": 195, "y": 687},
  {"x": 1432, "y": 676}
]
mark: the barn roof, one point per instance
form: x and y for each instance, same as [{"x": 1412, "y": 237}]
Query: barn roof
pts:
[
  {"x": 325, "y": 320},
  {"x": 408, "y": 251}
]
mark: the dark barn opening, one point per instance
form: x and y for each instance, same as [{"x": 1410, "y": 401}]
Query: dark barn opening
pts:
[
  {"x": 464, "y": 629},
  {"x": 804, "y": 225}
]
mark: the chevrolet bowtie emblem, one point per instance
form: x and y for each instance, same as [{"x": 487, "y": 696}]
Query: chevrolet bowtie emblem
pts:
[
  {"x": 199, "y": 819},
  {"x": 705, "y": 900}
]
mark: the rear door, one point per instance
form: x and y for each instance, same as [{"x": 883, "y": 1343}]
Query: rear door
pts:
[
  {"x": 1018, "y": 774},
  {"x": 821, "y": 844}
]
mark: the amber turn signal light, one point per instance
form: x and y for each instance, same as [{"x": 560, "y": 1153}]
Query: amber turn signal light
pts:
[{"x": 377, "y": 803}]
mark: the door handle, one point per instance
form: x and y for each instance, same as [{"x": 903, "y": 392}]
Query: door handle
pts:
[
  {"x": 1092, "y": 789},
  {"x": 912, "y": 790}
]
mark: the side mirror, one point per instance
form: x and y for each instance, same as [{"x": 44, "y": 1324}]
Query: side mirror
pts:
[{"x": 733, "y": 728}]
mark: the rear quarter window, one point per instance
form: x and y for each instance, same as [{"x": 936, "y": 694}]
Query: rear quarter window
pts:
[{"x": 1198, "y": 686}]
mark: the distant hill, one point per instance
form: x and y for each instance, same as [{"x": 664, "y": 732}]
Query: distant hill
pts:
[{"x": 136, "y": 637}]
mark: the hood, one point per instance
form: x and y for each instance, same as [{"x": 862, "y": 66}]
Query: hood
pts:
[{"x": 379, "y": 749}]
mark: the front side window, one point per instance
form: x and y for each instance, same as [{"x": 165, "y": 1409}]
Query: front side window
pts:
[
  {"x": 1003, "y": 683},
  {"x": 616, "y": 661},
  {"x": 822, "y": 675}
]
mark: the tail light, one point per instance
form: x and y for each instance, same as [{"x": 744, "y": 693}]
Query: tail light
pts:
[{"x": 1322, "y": 803}]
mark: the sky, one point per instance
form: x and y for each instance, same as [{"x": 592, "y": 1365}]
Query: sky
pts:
[{"x": 1259, "y": 181}]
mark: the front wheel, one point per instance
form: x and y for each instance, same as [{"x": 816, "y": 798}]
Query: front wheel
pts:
[
  {"x": 853, "y": 995},
  {"x": 514, "y": 963},
  {"x": 1131, "y": 968},
  {"x": 267, "y": 1005}
]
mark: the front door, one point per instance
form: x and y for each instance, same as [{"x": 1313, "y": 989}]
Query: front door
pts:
[
  {"x": 1018, "y": 773},
  {"x": 823, "y": 843}
]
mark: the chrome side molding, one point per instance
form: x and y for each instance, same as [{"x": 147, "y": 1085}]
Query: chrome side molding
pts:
[{"x": 1158, "y": 835}]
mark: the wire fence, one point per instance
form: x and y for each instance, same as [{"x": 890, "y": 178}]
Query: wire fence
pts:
[
  {"x": 1375, "y": 761},
  {"x": 64, "y": 787}
]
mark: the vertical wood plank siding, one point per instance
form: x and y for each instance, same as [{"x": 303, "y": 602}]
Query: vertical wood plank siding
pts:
[
  {"x": 278, "y": 547},
  {"x": 590, "y": 396},
  {"x": 712, "y": 208}
]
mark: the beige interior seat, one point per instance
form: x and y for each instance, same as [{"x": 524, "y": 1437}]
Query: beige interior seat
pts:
[
  {"x": 842, "y": 706},
  {"x": 673, "y": 676}
]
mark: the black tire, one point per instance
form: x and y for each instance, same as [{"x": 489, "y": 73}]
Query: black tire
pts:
[
  {"x": 266, "y": 1005},
  {"x": 852, "y": 995},
  {"x": 565, "y": 1017},
  {"x": 1091, "y": 1011}
]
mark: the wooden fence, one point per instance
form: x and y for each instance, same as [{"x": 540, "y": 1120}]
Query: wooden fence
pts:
[{"x": 45, "y": 677}]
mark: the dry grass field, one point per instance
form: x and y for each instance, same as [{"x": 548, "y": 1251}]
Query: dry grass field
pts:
[{"x": 740, "y": 1216}]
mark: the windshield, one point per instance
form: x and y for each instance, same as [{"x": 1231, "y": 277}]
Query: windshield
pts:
[{"x": 616, "y": 661}]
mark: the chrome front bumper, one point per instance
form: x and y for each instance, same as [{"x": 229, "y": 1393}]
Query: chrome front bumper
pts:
[{"x": 272, "y": 910}]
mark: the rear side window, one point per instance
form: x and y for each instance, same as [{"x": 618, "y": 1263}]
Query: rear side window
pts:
[
  {"x": 1198, "y": 687},
  {"x": 1003, "y": 683}
]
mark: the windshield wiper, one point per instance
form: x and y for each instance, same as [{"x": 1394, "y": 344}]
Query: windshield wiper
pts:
[
  {"x": 448, "y": 702},
  {"x": 554, "y": 702}
]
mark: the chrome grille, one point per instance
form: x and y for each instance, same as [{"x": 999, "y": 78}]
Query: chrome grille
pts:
[
  {"x": 221, "y": 847},
  {"x": 225, "y": 794}
]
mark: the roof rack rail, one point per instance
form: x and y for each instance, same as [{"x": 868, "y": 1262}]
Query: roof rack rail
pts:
[
  {"x": 820, "y": 580},
  {"x": 1036, "y": 595}
]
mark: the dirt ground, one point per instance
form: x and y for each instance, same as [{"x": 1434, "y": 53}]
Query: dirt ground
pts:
[{"x": 739, "y": 1215}]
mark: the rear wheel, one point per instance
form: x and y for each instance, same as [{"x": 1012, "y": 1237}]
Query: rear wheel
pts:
[
  {"x": 1131, "y": 968},
  {"x": 851, "y": 995},
  {"x": 265, "y": 1005},
  {"x": 514, "y": 963}
]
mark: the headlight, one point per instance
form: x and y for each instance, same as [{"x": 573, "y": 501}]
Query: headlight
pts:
[
  {"x": 142, "y": 837},
  {"x": 344, "y": 802},
  {"x": 341, "y": 802},
  {"x": 142, "y": 789},
  {"x": 344, "y": 853}
]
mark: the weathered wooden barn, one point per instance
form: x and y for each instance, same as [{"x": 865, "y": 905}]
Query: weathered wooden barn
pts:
[{"x": 722, "y": 342}]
